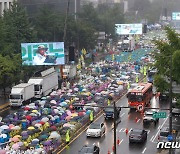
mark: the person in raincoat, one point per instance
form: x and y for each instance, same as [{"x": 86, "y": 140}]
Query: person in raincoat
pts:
[
  {"x": 67, "y": 136},
  {"x": 91, "y": 116},
  {"x": 128, "y": 85},
  {"x": 108, "y": 102},
  {"x": 137, "y": 80}
]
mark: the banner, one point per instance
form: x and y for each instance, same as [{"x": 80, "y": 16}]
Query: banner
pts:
[
  {"x": 51, "y": 53},
  {"x": 128, "y": 29}
]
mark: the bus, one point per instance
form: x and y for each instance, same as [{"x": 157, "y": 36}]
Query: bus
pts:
[{"x": 140, "y": 95}]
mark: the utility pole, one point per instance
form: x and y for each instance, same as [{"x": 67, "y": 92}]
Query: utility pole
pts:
[
  {"x": 114, "y": 105},
  {"x": 170, "y": 102}
]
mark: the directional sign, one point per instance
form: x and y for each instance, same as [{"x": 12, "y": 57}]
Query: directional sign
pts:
[
  {"x": 159, "y": 115},
  {"x": 140, "y": 108}
]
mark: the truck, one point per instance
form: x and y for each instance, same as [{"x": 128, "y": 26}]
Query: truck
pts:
[
  {"x": 45, "y": 83},
  {"x": 109, "y": 112},
  {"x": 69, "y": 71},
  {"x": 21, "y": 93}
]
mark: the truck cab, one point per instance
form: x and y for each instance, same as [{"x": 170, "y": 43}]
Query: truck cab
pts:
[
  {"x": 16, "y": 99},
  {"x": 109, "y": 113}
]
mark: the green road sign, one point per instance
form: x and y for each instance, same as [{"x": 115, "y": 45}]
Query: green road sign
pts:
[{"x": 159, "y": 115}]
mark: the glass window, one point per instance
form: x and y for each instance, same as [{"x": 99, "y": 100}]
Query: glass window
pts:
[{"x": 15, "y": 96}]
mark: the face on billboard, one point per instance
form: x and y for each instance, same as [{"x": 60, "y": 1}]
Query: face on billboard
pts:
[
  {"x": 43, "y": 53},
  {"x": 176, "y": 16},
  {"x": 127, "y": 29}
]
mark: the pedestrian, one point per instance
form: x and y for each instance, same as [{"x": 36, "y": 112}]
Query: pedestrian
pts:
[
  {"x": 67, "y": 137},
  {"x": 128, "y": 85},
  {"x": 108, "y": 102},
  {"x": 137, "y": 80},
  {"x": 91, "y": 116}
]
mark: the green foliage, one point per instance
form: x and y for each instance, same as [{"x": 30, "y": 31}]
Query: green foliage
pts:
[{"x": 163, "y": 60}]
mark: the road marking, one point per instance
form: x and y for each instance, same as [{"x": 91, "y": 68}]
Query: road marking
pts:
[
  {"x": 94, "y": 143},
  {"x": 129, "y": 130},
  {"x": 148, "y": 131},
  {"x": 138, "y": 120},
  {"x": 121, "y": 141},
  {"x": 159, "y": 129},
  {"x": 152, "y": 138},
  {"x": 144, "y": 150},
  {"x": 120, "y": 129},
  {"x": 122, "y": 115}
]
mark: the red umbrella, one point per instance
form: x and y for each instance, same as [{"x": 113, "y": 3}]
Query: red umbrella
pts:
[
  {"x": 42, "y": 123},
  {"x": 54, "y": 128},
  {"x": 28, "y": 117},
  {"x": 27, "y": 108}
]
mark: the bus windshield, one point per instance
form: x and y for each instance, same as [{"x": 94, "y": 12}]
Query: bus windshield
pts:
[{"x": 135, "y": 98}]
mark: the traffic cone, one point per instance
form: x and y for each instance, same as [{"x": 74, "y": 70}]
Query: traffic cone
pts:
[
  {"x": 126, "y": 131},
  {"x": 118, "y": 141},
  {"x": 136, "y": 120},
  {"x": 113, "y": 147},
  {"x": 109, "y": 152}
]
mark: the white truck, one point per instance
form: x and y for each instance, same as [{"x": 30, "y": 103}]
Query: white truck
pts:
[
  {"x": 69, "y": 71},
  {"x": 21, "y": 93},
  {"x": 46, "y": 83}
]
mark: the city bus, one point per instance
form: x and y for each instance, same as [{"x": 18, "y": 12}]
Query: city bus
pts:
[{"x": 140, "y": 95}]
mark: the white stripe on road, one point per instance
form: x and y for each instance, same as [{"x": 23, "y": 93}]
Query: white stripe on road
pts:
[
  {"x": 121, "y": 141},
  {"x": 94, "y": 143},
  {"x": 144, "y": 150},
  {"x": 148, "y": 131},
  {"x": 138, "y": 120},
  {"x": 120, "y": 129},
  {"x": 122, "y": 115},
  {"x": 159, "y": 129},
  {"x": 129, "y": 131},
  {"x": 152, "y": 138}
]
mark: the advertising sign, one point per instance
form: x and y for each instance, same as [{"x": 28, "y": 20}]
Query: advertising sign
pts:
[
  {"x": 176, "y": 16},
  {"x": 128, "y": 29},
  {"x": 51, "y": 53}
]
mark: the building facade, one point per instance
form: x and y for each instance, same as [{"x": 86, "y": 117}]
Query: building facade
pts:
[{"x": 4, "y": 5}]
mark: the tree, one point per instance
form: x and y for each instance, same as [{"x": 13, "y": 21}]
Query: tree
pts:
[
  {"x": 17, "y": 29},
  {"x": 163, "y": 64}
]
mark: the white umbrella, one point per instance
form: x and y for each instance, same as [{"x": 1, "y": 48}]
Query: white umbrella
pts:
[
  {"x": 55, "y": 134},
  {"x": 53, "y": 101},
  {"x": 4, "y": 127},
  {"x": 38, "y": 125},
  {"x": 45, "y": 119},
  {"x": 3, "y": 136}
]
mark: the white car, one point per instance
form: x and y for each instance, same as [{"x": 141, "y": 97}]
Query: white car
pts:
[{"x": 95, "y": 130}]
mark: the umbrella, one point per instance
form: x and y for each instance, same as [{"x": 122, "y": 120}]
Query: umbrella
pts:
[
  {"x": 18, "y": 136},
  {"x": 31, "y": 128},
  {"x": 45, "y": 119},
  {"x": 15, "y": 139},
  {"x": 47, "y": 143},
  {"x": 43, "y": 137},
  {"x": 24, "y": 137},
  {"x": 3, "y": 136},
  {"x": 53, "y": 102},
  {"x": 26, "y": 108},
  {"x": 34, "y": 111},
  {"x": 2, "y": 151},
  {"x": 20, "y": 143},
  {"x": 4, "y": 127},
  {"x": 16, "y": 128},
  {"x": 11, "y": 126},
  {"x": 15, "y": 146}
]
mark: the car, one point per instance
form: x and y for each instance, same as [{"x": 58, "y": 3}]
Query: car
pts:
[
  {"x": 176, "y": 112},
  {"x": 148, "y": 117},
  {"x": 95, "y": 130},
  {"x": 137, "y": 135},
  {"x": 89, "y": 149},
  {"x": 163, "y": 134},
  {"x": 109, "y": 113}
]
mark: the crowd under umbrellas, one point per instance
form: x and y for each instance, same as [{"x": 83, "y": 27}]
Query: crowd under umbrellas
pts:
[{"x": 41, "y": 126}]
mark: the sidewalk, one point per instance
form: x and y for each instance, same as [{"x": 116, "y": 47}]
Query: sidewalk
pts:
[{"x": 4, "y": 100}]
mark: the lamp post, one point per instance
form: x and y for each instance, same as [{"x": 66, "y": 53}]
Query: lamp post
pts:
[{"x": 114, "y": 121}]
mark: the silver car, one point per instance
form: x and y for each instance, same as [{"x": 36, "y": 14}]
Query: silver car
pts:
[{"x": 95, "y": 130}]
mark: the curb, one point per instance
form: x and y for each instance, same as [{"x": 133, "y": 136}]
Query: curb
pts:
[{"x": 4, "y": 106}]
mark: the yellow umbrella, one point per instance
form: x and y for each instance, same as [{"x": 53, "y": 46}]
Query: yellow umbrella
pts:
[
  {"x": 31, "y": 128},
  {"x": 34, "y": 111},
  {"x": 18, "y": 136},
  {"x": 74, "y": 115},
  {"x": 120, "y": 82}
]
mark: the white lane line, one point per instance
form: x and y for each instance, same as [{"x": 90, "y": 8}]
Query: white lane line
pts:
[
  {"x": 138, "y": 120},
  {"x": 159, "y": 129},
  {"x": 148, "y": 131},
  {"x": 152, "y": 138},
  {"x": 120, "y": 129},
  {"x": 121, "y": 141},
  {"x": 144, "y": 150},
  {"x": 93, "y": 143},
  {"x": 129, "y": 130},
  {"x": 122, "y": 115}
]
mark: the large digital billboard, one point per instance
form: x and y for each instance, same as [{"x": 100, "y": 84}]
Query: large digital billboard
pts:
[
  {"x": 128, "y": 29},
  {"x": 50, "y": 53},
  {"x": 176, "y": 16}
]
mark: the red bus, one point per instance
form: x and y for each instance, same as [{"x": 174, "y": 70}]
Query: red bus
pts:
[{"x": 140, "y": 95}]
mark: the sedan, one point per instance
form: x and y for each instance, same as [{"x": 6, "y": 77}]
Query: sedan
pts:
[
  {"x": 95, "y": 130},
  {"x": 137, "y": 135},
  {"x": 89, "y": 149}
]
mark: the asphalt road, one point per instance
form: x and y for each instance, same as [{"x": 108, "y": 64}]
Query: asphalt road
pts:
[{"x": 127, "y": 121}]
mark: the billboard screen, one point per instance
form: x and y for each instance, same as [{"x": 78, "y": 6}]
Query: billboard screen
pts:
[
  {"x": 176, "y": 16},
  {"x": 128, "y": 29},
  {"x": 51, "y": 53}
]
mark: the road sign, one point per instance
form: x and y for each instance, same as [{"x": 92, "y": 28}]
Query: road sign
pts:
[
  {"x": 170, "y": 137},
  {"x": 159, "y": 115},
  {"x": 140, "y": 108}
]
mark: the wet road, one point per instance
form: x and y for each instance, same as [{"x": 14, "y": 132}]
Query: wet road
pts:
[{"x": 127, "y": 121}]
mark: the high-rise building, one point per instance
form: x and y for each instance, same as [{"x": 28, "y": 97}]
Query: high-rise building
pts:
[{"x": 4, "y": 5}]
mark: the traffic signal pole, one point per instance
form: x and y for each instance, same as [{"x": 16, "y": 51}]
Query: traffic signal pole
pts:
[{"x": 114, "y": 105}]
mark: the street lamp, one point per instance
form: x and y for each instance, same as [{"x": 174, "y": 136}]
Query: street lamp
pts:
[{"x": 114, "y": 121}]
